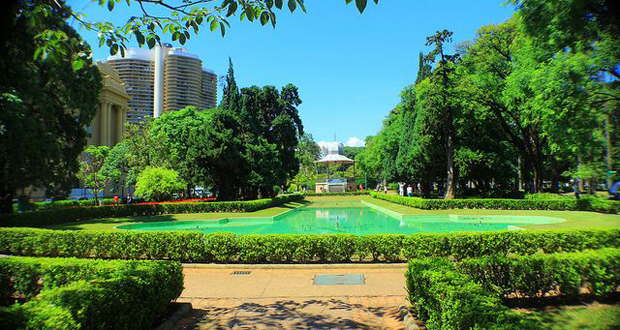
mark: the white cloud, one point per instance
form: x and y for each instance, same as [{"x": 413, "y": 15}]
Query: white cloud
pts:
[{"x": 355, "y": 142}]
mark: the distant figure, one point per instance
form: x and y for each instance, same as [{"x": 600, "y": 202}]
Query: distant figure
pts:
[
  {"x": 129, "y": 199},
  {"x": 401, "y": 189},
  {"x": 615, "y": 190},
  {"x": 116, "y": 200},
  {"x": 385, "y": 188},
  {"x": 361, "y": 187},
  {"x": 409, "y": 191},
  {"x": 576, "y": 187}
]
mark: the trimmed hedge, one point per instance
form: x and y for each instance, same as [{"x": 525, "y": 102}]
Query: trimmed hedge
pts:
[
  {"x": 563, "y": 204},
  {"x": 446, "y": 299},
  {"x": 563, "y": 274},
  {"x": 348, "y": 193},
  {"x": 63, "y": 204},
  {"x": 26, "y": 219},
  {"x": 293, "y": 248},
  {"x": 91, "y": 294},
  {"x": 468, "y": 294}
]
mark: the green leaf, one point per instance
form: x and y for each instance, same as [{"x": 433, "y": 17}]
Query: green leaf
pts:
[
  {"x": 114, "y": 49},
  {"x": 223, "y": 29},
  {"x": 279, "y": 4},
  {"x": 78, "y": 64},
  {"x": 151, "y": 42},
  {"x": 214, "y": 24},
  {"x": 110, "y": 5},
  {"x": 140, "y": 38},
  {"x": 361, "y": 5},
  {"x": 264, "y": 18},
  {"x": 292, "y": 5},
  {"x": 182, "y": 39}
]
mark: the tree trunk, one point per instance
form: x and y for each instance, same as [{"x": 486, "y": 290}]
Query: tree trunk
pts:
[
  {"x": 451, "y": 179},
  {"x": 610, "y": 163},
  {"x": 6, "y": 204}
]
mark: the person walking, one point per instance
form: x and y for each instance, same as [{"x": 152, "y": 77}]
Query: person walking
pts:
[{"x": 409, "y": 191}]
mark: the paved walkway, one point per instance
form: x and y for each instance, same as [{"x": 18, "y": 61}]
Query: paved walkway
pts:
[{"x": 273, "y": 296}]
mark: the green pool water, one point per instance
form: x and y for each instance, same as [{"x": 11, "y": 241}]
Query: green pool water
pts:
[{"x": 354, "y": 220}]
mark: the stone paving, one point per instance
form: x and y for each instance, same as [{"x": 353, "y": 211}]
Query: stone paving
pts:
[{"x": 285, "y": 297}]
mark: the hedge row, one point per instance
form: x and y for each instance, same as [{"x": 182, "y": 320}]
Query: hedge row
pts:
[
  {"x": 63, "y": 204},
  {"x": 293, "y": 248},
  {"x": 88, "y": 294},
  {"x": 446, "y": 299},
  {"x": 26, "y": 219},
  {"x": 465, "y": 295},
  {"x": 348, "y": 193},
  {"x": 563, "y": 274},
  {"x": 564, "y": 204}
]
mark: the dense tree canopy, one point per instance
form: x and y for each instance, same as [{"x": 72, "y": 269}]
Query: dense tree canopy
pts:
[
  {"x": 528, "y": 103},
  {"x": 45, "y": 102}
]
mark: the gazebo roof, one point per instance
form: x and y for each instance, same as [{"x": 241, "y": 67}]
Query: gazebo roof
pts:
[{"x": 335, "y": 159}]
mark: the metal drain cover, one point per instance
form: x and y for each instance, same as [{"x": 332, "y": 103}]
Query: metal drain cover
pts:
[
  {"x": 245, "y": 272},
  {"x": 348, "y": 279}
]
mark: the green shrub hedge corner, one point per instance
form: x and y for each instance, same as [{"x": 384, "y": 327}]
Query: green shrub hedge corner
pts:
[
  {"x": 47, "y": 217},
  {"x": 468, "y": 294},
  {"x": 88, "y": 294},
  {"x": 563, "y": 204},
  {"x": 293, "y": 248},
  {"x": 537, "y": 275}
]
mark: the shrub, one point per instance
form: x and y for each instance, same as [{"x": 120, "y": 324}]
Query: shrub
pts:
[
  {"x": 63, "y": 204},
  {"x": 537, "y": 275},
  {"x": 96, "y": 294},
  {"x": 563, "y": 204},
  {"x": 228, "y": 247},
  {"x": 467, "y": 294},
  {"x": 86, "y": 213},
  {"x": 158, "y": 184},
  {"x": 447, "y": 299}
]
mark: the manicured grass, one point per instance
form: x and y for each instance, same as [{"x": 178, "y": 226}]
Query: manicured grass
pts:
[
  {"x": 592, "y": 317},
  {"x": 573, "y": 219},
  {"x": 110, "y": 223}
]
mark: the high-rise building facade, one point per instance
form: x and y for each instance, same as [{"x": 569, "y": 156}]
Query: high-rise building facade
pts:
[{"x": 164, "y": 79}]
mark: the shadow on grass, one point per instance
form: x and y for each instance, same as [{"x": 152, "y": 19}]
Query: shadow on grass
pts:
[{"x": 308, "y": 314}]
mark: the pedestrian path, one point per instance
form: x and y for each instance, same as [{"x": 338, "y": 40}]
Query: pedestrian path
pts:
[{"x": 267, "y": 296}]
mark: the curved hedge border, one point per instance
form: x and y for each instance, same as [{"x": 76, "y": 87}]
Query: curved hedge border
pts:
[
  {"x": 565, "y": 204},
  {"x": 468, "y": 294},
  {"x": 88, "y": 294},
  {"x": 292, "y": 248},
  {"x": 85, "y": 213}
]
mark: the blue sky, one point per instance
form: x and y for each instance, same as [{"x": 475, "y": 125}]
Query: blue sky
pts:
[{"x": 349, "y": 68}]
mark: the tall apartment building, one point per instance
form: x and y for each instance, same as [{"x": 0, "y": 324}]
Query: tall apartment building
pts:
[{"x": 164, "y": 79}]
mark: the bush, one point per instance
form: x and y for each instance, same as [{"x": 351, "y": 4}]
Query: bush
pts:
[
  {"x": 86, "y": 213},
  {"x": 545, "y": 196},
  {"x": 93, "y": 294},
  {"x": 63, "y": 204},
  {"x": 467, "y": 294},
  {"x": 563, "y": 274},
  {"x": 563, "y": 204},
  {"x": 283, "y": 248},
  {"x": 158, "y": 184}
]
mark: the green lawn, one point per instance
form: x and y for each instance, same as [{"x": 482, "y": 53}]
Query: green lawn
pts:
[
  {"x": 592, "y": 317},
  {"x": 573, "y": 219}
]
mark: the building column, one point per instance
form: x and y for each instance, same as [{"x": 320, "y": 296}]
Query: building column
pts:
[
  {"x": 103, "y": 123},
  {"x": 95, "y": 127},
  {"x": 120, "y": 122}
]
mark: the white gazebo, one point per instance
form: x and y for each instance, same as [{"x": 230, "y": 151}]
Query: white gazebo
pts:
[{"x": 334, "y": 156}]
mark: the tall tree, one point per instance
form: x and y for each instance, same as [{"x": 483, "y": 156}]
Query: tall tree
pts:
[
  {"x": 442, "y": 72},
  {"x": 230, "y": 95},
  {"x": 45, "y": 100}
]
